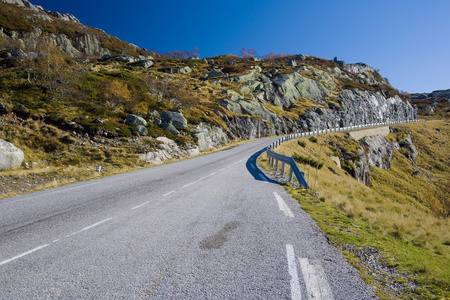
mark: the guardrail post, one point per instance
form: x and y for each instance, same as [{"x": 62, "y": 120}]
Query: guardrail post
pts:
[{"x": 282, "y": 168}]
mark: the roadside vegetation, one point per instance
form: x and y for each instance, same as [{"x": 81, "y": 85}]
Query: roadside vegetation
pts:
[{"x": 402, "y": 222}]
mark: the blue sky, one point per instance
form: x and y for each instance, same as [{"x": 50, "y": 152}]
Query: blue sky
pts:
[{"x": 407, "y": 40}]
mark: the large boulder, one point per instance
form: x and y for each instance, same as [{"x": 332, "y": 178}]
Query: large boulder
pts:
[
  {"x": 133, "y": 120},
  {"x": 210, "y": 136},
  {"x": 215, "y": 73},
  {"x": 11, "y": 157},
  {"x": 380, "y": 152},
  {"x": 175, "y": 118},
  {"x": 408, "y": 149}
]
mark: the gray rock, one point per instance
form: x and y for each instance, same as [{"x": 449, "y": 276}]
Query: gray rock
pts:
[
  {"x": 301, "y": 57},
  {"x": 215, "y": 73},
  {"x": 210, "y": 136},
  {"x": 185, "y": 70},
  {"x": 3, "y": 109},
  {"x": 23, "y": 3},
  {"x": 411, "y": 150},
  {"x": 133, "y": 120},
  {"x": 175, "y": 118},
  {"x": 292, "y": 63},
  {"x": 169, "y": 127},
  {"x": 242, "y": 78},
  {"x": 142, "y": 130},
  {"x": 98, "y": 121},
  {"x": 380, "y": 152},
  {"x": 168, "y": 150},
  {"x": 11, "y": 157},
  {"x": 362, "y": 171},
  {"x": 289, "y": 87},
  {"x": 21, "y": 111},
  {"x": 143, "y": 64},
  {"x": 126, "y": 59}
]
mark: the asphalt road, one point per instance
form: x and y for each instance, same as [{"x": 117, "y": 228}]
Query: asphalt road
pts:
[{"x": 211, "y": 227}]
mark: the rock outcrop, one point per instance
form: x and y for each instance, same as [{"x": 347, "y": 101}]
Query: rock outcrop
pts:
[
  {"x": 11, "y": 157},
  {"x": 169, "y": 149},
  {"x": 210, "y": 136}
]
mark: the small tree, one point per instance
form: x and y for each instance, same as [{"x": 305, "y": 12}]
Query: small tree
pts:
[
  {"x": 248, "y": 53},
  {"x": 116, "y": 93}
]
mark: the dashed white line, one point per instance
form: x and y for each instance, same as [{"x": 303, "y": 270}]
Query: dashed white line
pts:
[
  {"x": 283, "y": 206},
  {"x": 140, "y": 205},
  {"x": 23, "y": 254},
  {"x": 88, "y": 227},
  {"x": 188, "y": 184},
  {"x": 317, "y": 286},
  {"x": 295, "y": 285},
  {"x": 213, "y": 173},
  {"x": 167, "y": 194},
  {"x": 96, "y": 224}
]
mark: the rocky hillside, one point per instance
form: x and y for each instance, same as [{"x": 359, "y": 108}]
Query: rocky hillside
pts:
[
  {"x": 22, "y": 24},
  {"x": 73, "y": 95},
  {"x": 436, "y": 103}
]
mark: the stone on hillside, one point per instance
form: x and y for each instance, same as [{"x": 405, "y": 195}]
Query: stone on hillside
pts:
[
  {"x": 142, "y": 130},
  {"x": 380, "y": 152},
  {"x": 175, "y": 118},
  {"x": 411, "y": 151},
  {"x": 126, "y": 59},
  {"x": 210, "y": 136},
  {"x": 143, "y": 64},
  {"x": 23, "y": 3},
  {"x": 215, "y": 73},
  {"x": 292, "y": 63},
  {"x": 185, "y": 70},
  {"x": 169, "y": 127},
  {"x": 21, "y": 111},
  {"x": 293, "y": 86},
  {"x": 3, "y": 109},
  {"x": 11, "y": 157},
  {"x": 133, "y": 120}
]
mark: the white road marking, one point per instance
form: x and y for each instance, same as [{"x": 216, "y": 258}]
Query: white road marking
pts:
[
  {"x": 167, "y": 194},
  {"x": 55, "y": 241},
  {"x": 23, "y": 254},
  {"x": 317, "y": 286},
  {"x": 88, "y": 227},
  {"x": 283, "y": 206},
  {"x": 213, "y": 173},
  {"x": 295, "y": 285},
  {"x": 96, "y": 224},
  {"x": 145, "y": 203},
  {"x": 202, "y": 178},
  {"x": 188, "y": 184},
  {"x": 223, "y": 169}
]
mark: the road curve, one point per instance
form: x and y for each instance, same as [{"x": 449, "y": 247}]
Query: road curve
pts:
[{"x": 211, "y": 227}]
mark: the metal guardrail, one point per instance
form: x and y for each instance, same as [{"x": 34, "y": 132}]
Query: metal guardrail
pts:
[{"x": 275, "y": 158}]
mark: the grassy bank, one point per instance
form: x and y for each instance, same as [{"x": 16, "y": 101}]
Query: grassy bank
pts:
[{"x": 403, "y": 217}]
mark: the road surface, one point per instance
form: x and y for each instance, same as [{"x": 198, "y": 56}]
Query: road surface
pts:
[{"x": 211, "y": 227}]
